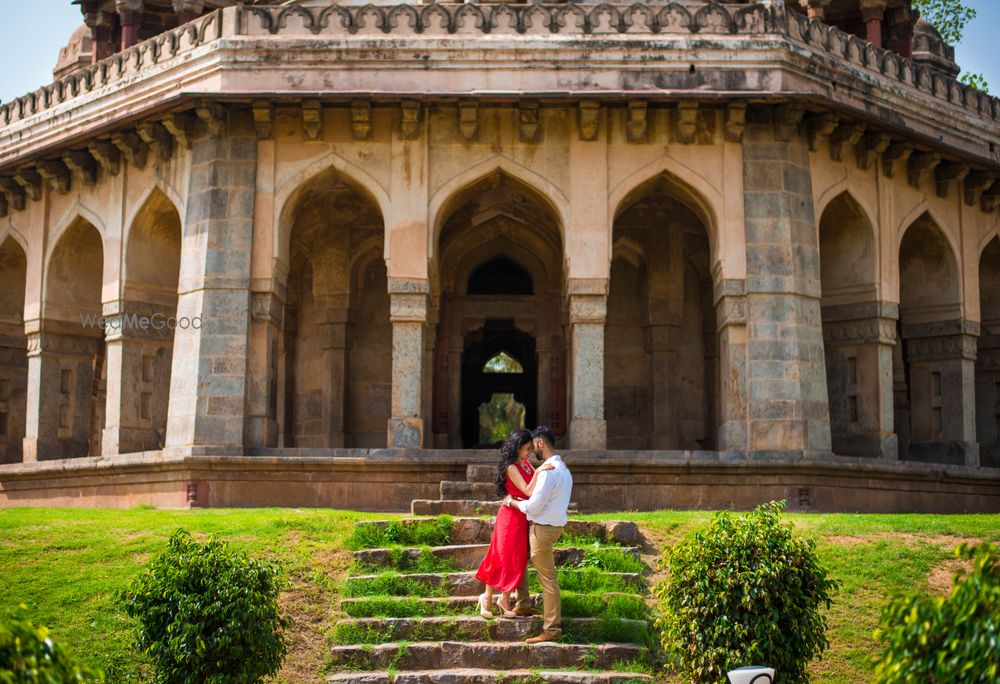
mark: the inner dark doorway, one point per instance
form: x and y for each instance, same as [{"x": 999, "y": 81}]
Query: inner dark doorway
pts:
[{"x": 490, "y": 363}]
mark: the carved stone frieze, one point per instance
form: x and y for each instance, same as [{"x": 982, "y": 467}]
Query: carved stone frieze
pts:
[
  {"x": 880, "y": 330},
  {"x": 589, "y": 113}
]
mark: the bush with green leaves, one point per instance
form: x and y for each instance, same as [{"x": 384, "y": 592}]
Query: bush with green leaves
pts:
[
  {"x": 952, "y": 639},
  {"x": 208, "y": 613},
  {"x": 744, "y": 591},
  {"x": 29, "y": 655}
]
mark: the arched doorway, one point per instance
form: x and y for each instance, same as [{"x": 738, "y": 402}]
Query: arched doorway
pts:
[
  {"x": 336, "y": 382},
  {"x": 499, "y": 346},
  {"x": 660, "y": 350},
  {"x": 856, "y": 340},
  {"x": 13, "y": 350},
  {"x": 988, "y": 357},
  {"x": 928, "y": 363}
]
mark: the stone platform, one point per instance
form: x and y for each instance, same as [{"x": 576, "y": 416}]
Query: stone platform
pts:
[{"x": 390, "y": 479}]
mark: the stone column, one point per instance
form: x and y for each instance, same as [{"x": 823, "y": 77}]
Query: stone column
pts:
[
  {"x": 209, "y": 373},
  {"x": 815, "y": 8},
  {"x": 332, "y": 318},
  {"x": 101, "y": 25},
  {"x": 188, "y": 10},
  {"x": 130, "y": 18},
  {"x": 872, "y": 13},
  {"x": 138, "y": 382},
  {"x": 941, "y": 362},
  {"x": 859, "y": 340},
  {"x": 731, "y": 319},
  {"x": 408, "y": 314},
  {"x": 588, "y": 309},
  {"x": 988, "y": 397},
  {"x": 262, "y": 397},
  {"x": 60, "y": 387},
  {"x": 13, "y": 388},
  {"x": 786, "y": 385}
]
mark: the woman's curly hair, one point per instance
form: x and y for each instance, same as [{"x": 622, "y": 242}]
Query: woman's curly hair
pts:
[{"x": 508, "y": 455}]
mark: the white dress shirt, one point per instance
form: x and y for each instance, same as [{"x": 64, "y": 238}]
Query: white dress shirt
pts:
[{"x": 550, "y": 498}]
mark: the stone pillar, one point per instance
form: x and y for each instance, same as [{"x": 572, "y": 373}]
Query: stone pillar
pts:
[
  {"x": 332, "y": 318},
  {"x": 941, "y": 360},
  {"x": 101, "y": 26},
  {"x": 408, "y": 314},
  {"x": 815, "y": 8},
  {"x": 872, "y": 13},
  {"x": 138, "y": 382},
  {"x": 988, "y": 397},
  {"x": 209, "y": 373},
  {"x": 731, "y": 319},
  {"x": 130, "y": 18},
  {"x": 262, "y": 396},
  {"x": 786, "y": 385},
  {"x": 588, "y": 309},
  {"x": 60, "y": 388},
  {"x": 859, "y": 340}
]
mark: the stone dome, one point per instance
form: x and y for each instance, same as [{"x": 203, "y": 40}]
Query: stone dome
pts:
[
  {"x": 930, "y": 49},
  {"x": 78, "y": 53}
]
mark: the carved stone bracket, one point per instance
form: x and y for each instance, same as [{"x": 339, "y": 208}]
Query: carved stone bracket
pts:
[
  {"x": 787, "y": 118},
  {"x": 132, "y": 148},
  {"x": 819, "y": 127},
  {"x": 974, "y": 184},
  {"x": 266, "y": 307},
  {"x": 3, "y": 205},
  {"x": 157, "y": 137},
  {"x": 263, "y": 119},
  {"x": 736, "y": 119},
  {"x": 528, "y": 121},
  {"x": 409, "y": 122},
  {"x": 13, "y": 192},
  {"x": 361, "y": 120},
  {"x": 686, "y": 130},
  {"x": 468, "y": 119},
  {"x": 312, "y": 120},
  {"x": 82, "y": 166},
  {"x": 991, "y": 198},
  {"x": 921, "y": 165},
  {"x": 106, "y": 155},
  {"x": 945, "y": 173},
  {"x": 213, "y": 116},
  {"x": 637, "y": 125},
  {"x": 896, "y": 155},
  {"x": 870, "y": 147},
  {"x": 57, "y": 173},
  {"x": 181, "y": 126},
  {"x": 31, "y": 181},
  {"x": 845, "y": 136},
  {"x": 589, "y": 113}
]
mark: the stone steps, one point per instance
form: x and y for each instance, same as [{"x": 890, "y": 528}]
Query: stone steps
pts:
[
  {"x": 466, "y": 584},
  {"x": 501, "y": 655},
  {"x": 466, "y": 556},
  {"x": 456, "y": 603},
  {"x": 460, "y": 507},
  {"x": 476, "y": 628},
  {"x": 469, "y": 530},
  {"x": 480, "y": 676},
  {"x": 483, "y": 491}
]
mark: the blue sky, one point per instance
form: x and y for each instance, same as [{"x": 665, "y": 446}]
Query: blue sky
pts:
[{"x": 28, "y": 54}]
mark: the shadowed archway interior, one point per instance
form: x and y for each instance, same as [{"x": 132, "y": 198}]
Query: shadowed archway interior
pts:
[{"x": 13, "y": 354}]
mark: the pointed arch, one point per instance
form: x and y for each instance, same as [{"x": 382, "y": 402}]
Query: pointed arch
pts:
[
  {"x": 912, "y": 216},
  {"x": 450, "y": 194},
  {"x": 152, "y": 244},
  {"x": 842, "y": 187},
  {"x": 848, "y": 249},
  {"x": 157, "y": 186},
  {"x": 9, "y": 231},
  {"x": 289, "y": 194},
  {"x": 74, "y": 272},
  {"x": 77, "y": 211}
]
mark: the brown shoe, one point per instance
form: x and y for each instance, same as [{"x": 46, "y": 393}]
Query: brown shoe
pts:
[
  {"x": 543, "y": 637},
  {"x": 523, "y": 611}
]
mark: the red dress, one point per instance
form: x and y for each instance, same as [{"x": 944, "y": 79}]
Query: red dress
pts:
[{"x": 506, "y": 560}]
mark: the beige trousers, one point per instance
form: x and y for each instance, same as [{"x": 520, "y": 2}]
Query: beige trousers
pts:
[{"x": 542, "y": 539}]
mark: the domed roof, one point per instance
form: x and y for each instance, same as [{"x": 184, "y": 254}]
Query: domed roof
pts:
[
  {"x": 929, "y": 48},
  {"x": 77, "y": 53}
]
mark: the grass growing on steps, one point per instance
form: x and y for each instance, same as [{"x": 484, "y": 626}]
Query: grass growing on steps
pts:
[
  {"x": 392, "y": 583},
  {"x": 368, "y": 535},
  {"x": 573, "y": 605},
  {"x": 425, "y": 562},
  {"x": 611, "y": 560},
  {"x": 579, "y": 580},
  {"x": 587, "y": 541}
]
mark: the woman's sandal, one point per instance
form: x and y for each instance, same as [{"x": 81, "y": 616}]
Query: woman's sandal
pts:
[
  {"x": 505, "y": 612},
  {"x": 484, "y": 607}
]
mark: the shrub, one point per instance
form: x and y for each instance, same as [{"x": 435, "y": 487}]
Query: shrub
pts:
[
  {"x": 952, "y": 638},
  {"x": 744, "y": 591},
  {"x": 28, "y": 655},
  {"x": 208, "y": 613}
]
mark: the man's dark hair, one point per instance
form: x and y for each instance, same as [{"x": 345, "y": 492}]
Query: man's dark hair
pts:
[{"x": 544, "y": 433}]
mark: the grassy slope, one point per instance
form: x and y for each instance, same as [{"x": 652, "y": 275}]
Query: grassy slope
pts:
[{"x": 67, "y": 564}]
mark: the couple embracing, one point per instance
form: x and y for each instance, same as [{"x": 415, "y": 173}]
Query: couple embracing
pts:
[{"x": 528, "y": 525}]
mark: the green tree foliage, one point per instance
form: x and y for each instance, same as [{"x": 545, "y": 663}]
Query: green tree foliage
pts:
[
  {"x": 952, "y": 639},
  {"x": 950, "y": 18},
  {"x": 744, "y": 591},
  {"x": 29, "y": 655},
  {"x": 208, "y": 614}
]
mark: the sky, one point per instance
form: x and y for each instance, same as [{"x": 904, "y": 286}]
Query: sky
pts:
[{"x": 27, "y": 54}]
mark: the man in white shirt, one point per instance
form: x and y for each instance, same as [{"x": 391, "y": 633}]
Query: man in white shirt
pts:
[{"x": 546, "y": 511}]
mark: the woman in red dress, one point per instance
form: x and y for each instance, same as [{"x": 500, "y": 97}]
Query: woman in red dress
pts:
[{"x": 506, "y": 560}]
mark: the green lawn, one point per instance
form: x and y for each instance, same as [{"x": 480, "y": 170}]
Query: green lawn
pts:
[{"x": 67, "y": 565}]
